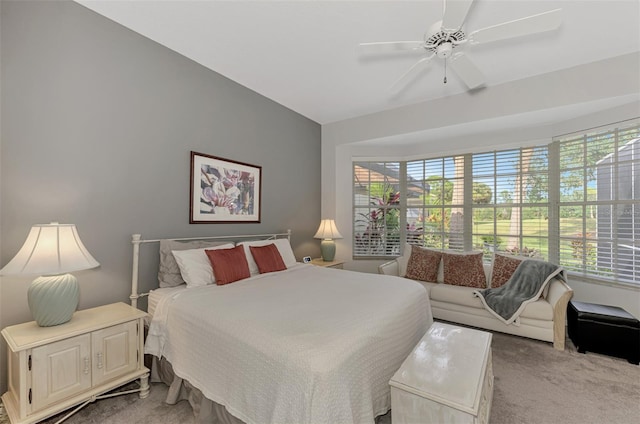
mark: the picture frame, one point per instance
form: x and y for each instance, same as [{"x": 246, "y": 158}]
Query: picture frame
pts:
[{"x": 224, "y": 190}]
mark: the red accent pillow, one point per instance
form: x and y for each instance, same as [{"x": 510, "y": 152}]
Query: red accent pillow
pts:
[
  {"x": 228, "y": 265},
  {"x": 423, "y": 264},
  {"x": 464, "y": 269},
  {"x": 503, "y": 268},
  {"x": 267, "y": 258}
]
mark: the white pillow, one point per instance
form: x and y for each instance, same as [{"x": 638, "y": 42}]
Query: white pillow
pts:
[
  {"x": 195, "y": 266},
  {"x": 284, "y": 248}
]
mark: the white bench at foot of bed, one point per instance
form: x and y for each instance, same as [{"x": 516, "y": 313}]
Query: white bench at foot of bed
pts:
[{"x": 448, "y": 377}]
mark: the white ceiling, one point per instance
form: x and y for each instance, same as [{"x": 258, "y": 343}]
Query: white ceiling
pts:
[{"x": 303, "y": 55}]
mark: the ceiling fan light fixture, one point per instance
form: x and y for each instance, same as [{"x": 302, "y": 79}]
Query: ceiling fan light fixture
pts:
[{"x": 444, "y": 50}]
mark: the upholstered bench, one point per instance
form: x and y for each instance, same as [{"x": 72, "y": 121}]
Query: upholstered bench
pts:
[{"x": 604, "y": 329}]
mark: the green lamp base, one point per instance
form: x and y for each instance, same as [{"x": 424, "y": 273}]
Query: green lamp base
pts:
[
  {"x": 53, "y": 299},
  {"x": 328, "y": 249}
]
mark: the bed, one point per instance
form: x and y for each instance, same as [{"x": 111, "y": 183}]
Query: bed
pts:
[{"x": 304, "y": 344}]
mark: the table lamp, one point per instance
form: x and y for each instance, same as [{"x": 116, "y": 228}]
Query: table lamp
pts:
[
  {"x": 327, "y": 232},
  {"x": 51, "y": 251}
]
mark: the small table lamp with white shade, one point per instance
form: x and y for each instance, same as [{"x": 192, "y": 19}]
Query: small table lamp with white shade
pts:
[
  {"x": 328, "y": 232},
  {"x": 51, "y": 251}
]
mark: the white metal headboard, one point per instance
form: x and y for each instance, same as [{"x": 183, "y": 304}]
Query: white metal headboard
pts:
[{"x": 136, "y": 240}]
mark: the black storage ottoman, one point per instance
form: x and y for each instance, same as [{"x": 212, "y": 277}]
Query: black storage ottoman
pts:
[{"x": 604, "y": 329}]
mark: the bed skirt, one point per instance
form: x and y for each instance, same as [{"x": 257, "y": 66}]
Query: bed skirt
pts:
[{"x": 206, "y": 411}]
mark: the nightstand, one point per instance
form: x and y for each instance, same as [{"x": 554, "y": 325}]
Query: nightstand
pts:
[
  {"x": 328, "y": 264},
  {"x": 55, "y": 368}
]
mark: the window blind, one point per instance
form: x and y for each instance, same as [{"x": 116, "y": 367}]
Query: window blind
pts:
[
  {"x": 575, "y": 202},
  {"x": 510, "y": 208},
  {"x": 376, "y": 209},
  {"x": 435, "y": 202},
  {"x": 599, "y": 190}
]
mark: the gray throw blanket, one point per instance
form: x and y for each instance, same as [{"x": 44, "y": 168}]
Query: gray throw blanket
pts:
[{"x": 525, "y": 286}]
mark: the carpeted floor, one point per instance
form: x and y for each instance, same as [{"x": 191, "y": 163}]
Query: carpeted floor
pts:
[{"x": 534, "y": 383}]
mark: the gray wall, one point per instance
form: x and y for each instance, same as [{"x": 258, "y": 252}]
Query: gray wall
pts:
[{"x": 97, "y": 126}]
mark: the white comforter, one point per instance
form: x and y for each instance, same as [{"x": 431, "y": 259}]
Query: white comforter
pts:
[{"x": 305, "y": 345}]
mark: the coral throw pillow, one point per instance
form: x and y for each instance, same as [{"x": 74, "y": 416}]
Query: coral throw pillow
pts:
[
  {"x": 423, "y": 264},
  {"x": 464, "y": 269},
  {"x": 503, "y": 268},
  {"x": 267, "y": 258},
  {"x": 195, "y": 266},
  {"x": 228, "y": 265}
]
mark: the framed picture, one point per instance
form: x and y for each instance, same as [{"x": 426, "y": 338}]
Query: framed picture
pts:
[{"x": 223, "y": 190}]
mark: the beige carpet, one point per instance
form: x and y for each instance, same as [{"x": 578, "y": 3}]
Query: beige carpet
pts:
[{"x": 534, "y": 383}]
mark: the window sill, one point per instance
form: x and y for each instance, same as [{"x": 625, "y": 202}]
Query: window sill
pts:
[{"x": 602, "y": 282}]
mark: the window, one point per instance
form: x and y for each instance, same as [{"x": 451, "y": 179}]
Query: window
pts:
[
  {"x": 599, "y": 214},
  {"x": 575, "y": 202},
  {"x": 510, "y": 201},
  {"x": 435, "y": 202},
  {"x": 376, "y": 209}
]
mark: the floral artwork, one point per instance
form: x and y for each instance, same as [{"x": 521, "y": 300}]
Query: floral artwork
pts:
[{"x": 223, "y": 190}]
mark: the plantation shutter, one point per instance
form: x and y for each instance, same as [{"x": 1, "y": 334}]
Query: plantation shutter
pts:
[
  {"x": 376, "y": 209},
  {"x": 575, "y": 202},
  {"x": 599, "y": 190},
  {"x": 510, "y": 206},
  {"x": 435, "y": 202}
]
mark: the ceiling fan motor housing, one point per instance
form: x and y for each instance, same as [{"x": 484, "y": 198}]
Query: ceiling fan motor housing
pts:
[{"x": 442, "y": 42}]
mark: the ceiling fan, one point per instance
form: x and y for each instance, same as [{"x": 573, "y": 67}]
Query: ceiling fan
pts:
[{"x": 445, "y": 37}]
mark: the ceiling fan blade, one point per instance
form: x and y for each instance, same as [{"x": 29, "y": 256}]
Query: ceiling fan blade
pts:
[
  {"x": 541, "y": 22},
  {"x": 467, "y": 70},
  {"x": 411, "y": 73},
  {"x": 390, "y": 46},
  {"x": 455, "y": 12}
]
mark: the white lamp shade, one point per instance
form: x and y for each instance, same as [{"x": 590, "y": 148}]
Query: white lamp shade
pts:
[
  {"x": 328, "y": 230},
  {"x": 51, "y": 249}
]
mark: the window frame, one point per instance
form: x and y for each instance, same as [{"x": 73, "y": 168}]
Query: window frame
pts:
[
  {"x": 582, "y": 243},
  {"x": 553, "y": 204},
  {"x": 384, "y": 207}
]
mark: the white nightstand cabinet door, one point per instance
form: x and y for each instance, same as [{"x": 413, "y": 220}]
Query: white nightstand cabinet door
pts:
[
  {"x": 61, "y": 370},
  {"x": 114, "y": 352}
]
